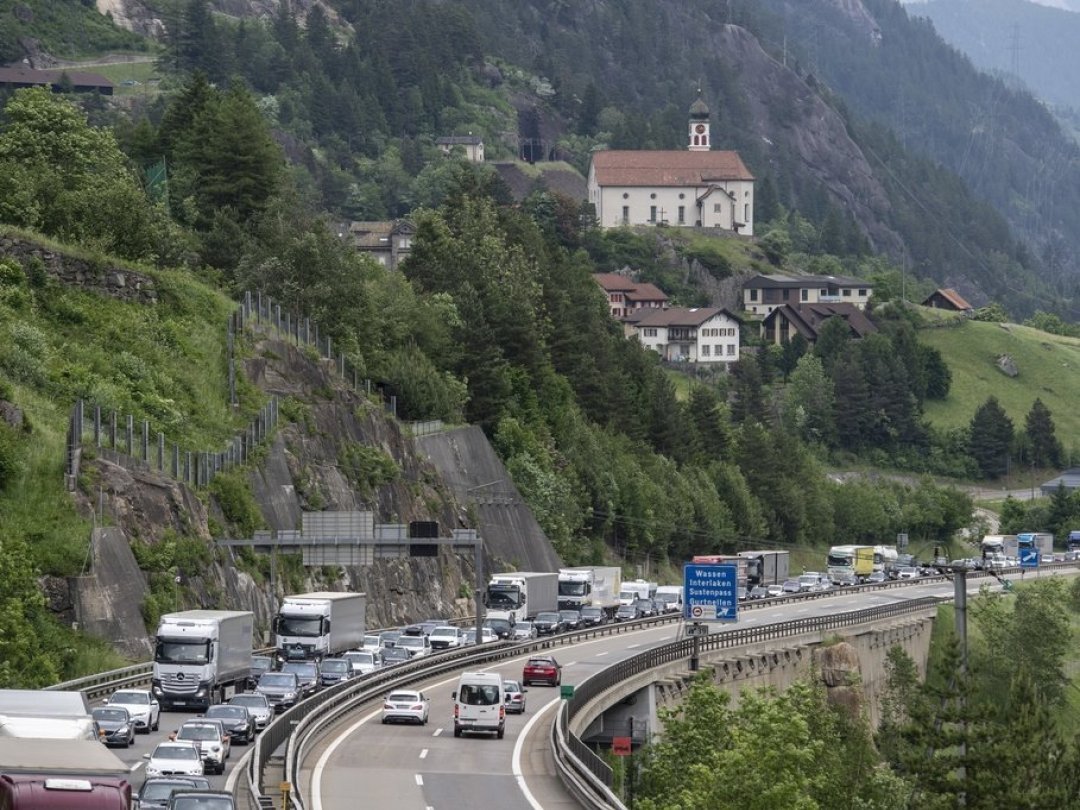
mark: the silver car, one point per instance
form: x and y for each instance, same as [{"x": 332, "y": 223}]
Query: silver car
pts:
[{"x": 259, "y": 707}]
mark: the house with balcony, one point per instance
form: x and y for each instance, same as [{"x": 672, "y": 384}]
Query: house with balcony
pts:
[
  {"x": 696, "y": 335},
  {"x": 626, "y": 297},
  {"x": 694, "y": 187},
  {"x": 387, "y": 242},
  {"x": 764, "y": 293},
  {"x": 787, "y": 320}
]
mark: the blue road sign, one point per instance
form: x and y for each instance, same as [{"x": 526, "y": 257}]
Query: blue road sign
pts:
[
  {"x": 1029, "y": 558},
  {"x": 710, "y": 593}
]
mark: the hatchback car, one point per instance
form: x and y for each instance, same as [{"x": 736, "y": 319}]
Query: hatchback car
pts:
[
  {"x": 238, "y": 721},
  {"x": 547, "y": 623},
  {"x": 876, "y": 577},
  {"x": 792, "y": 586},
  {"x": 145, "y": 711},
  {"x": 406, "y": 706},
  {"x": 201, "y": 800},
  {"x": 908, "y": 572},
  {"x": 258, "y": 707},
  {"x": 645, "y": 607},
  {"x": 115, "y": 726},
  {"x": 501, "y": 627},
  {"x": 775, "y": 590},
  {"x": 174, "y": 759},
  {"x": 306, "y": 672},
  {"x": 627, "y": 613},
  {"x": 571, "y": 619},
  {"x": 156, "y": 790},
  {"x": 524, "y": 631},
  {"x": 541, "y": 669},
  {"x": 334, "y": 670},
  {"x": 514, "y": 697},
  {"x": 592, "y": 617},
  {"x": 759, "y": 592}
]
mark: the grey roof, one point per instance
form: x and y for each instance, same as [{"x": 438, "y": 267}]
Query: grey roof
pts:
[
  {"x": 22, "y": 75},
  {"x": 699, "y": 109},
  {"x": 1070, "y": 479},
  {"x": 779, "y": 280}
]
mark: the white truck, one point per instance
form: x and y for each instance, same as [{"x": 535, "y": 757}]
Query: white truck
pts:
[
  {"x": 590, "y": 586},
  {"x": 672, "y": 596},
  {"x": 46, "y": 713},
  {"x": 201, "y": 657},
  {"x": 314, "y": 626},
  {"x": 766, "y": 567},
  {"x": 636, "y": 589},
  {"x": 520, "y": 595}
]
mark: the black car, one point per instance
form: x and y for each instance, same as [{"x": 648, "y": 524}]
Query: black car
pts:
[
  {"x": 156, "y": 790},
  {"x": 547, "y": 624},
  {"x": 645, "y": 607},
  {"x": 201, "y": 800},
  {"x": 571, "y": 619},
  {"x": 307, "y": 673},
  {"x": 334, "y": 670},
  {"x": 414, "y": 630},
  {"x": 259, "y": 665},
  {"x": 592, "y": 616},
  {"x": 237, "y": 720},
  {"x": 627, "y": 613},
  {"x": 115, "y": 726},
  {"x": 501, "y": 627},
  {"x": 281, "y": 689}
]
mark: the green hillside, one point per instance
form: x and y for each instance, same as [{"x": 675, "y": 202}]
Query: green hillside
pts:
[{"x": 1048, "y": 366}]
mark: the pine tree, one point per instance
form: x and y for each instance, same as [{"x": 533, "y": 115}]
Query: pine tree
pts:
[
  {"x": 991, "y": 438},
  {"x": 1046, "y": 450},
  {"x": 748, "y": 401}
]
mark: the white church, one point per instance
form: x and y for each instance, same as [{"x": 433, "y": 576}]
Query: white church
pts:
[{"x": 693, "y": 188}]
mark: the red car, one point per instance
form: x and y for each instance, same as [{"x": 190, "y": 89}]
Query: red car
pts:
[{"x": 541, "y": 669}]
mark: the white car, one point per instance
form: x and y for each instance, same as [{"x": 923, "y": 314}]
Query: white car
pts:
[
  {"x": 209, "y": 738},
  {"x": 372, "y": 642},
  {"x": 174, "y": 759},
  {"x": 775, "y": 590},
  {"x": 258, "y": 705},
  {"x": 363, "y": 662},
  {"x": 144, "y": 709},
  {"x": 404, "y": 705},
  {"x": 487, "y": 635},
  {"x": 908, "y": 572},
  {"x": 418, "y": 646},
  {"x": 444, "y": 637}
]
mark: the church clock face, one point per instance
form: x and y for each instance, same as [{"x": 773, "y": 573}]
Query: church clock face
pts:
[{"x": 699, "y": 128}]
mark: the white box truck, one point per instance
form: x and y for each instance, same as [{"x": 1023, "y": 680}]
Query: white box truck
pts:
[
  {"x": 201, "y": 657},
  {"x": 520, "y": 595},
  {"x": 46, "y": 713},
  {"x": 590, "y": 586},
  {"x": 636, "y": 589},
  {"x": 766, "y": 567},
  {"x": 314, "y": 626}
]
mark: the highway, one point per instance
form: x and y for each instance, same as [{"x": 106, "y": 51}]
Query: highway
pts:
[{"x": 427, "y": 768}]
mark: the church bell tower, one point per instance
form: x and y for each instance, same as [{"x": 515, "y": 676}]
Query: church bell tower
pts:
[{"x": 699, "y": 127}]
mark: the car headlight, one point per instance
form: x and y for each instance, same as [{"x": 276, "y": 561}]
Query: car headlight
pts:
[
  {"x": 290, "y": 696},
  {"x": 123, "y": 729}
]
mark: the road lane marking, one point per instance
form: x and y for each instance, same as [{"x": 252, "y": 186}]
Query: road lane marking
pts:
[
  {"x": 605, "y": 652},
  {"x": 136, "y": 766},
  {"x": 571, "y": 664},
  {"x": 419, "y": 780},
  {"x": 519, "y": 745},
  {"x": 423, "y": 753},
  {"x": 438, "y": 731},
  {"x": 632, "y": 646}
]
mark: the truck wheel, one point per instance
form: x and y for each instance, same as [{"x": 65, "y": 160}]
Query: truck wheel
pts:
[
  {"x": 457, "y": 731},
  {"x": 157, "y": 722},
  {"x": 499, "y": 734}
]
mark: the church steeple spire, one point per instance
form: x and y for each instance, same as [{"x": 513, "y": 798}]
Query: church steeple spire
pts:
[{"x": 699, "y": 126}]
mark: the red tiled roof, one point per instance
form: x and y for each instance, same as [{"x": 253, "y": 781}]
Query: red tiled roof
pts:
[
  {"x": 613, "y": 282},
  {"x": 622, "y": 167},
  {"x": 646, "y": 292},
  {"x": 952, "y": 296}
]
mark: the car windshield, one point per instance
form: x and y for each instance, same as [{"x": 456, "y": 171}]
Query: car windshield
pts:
[
  {"x": 111, "y": 715},
  {"x": 278, "y": 679},
  {"x": 304, "y": 670},
  {"x": 261, "y": 663},
  {"x": 231, "y": 712},
  {"x": 362, "y": 658},
  {"x": 590, "y": 612},
  {"x": 547, "y": 617},
  {"x": 411, "y": 641},
  {"x": 396, "y": 654},
  {"x": 335, "y": 666},
  {"x": 202, "y": 803},
  {"x": 568, "y": 614},
  {"x": 540, "y": 662},
  {"x": 198, "y": 733},
  {"x": 176, "y": 752},
  {"x": 160, "y": 791},
  {"x": 403, "y": 697},
  {"x": 130, "y": 698},
  {"x": 472, "y": 694}
]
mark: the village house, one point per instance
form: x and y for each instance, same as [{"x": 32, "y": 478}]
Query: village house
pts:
[
  {"x": 626, "y": 297},
  {"x": 762, "y": 294},
  {"x": 948, "y": 298},
  {"x": 787, "y": 320},
  {"x": 696, "y": 187},
  {"x": 472, "y": 144},
  {"x": 697, "y": 335},
  {"x": 387, "y": 242}
]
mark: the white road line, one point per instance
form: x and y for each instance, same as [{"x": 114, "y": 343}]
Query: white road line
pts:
[
  {"x": 605, "y": 652},
  {"x": 419, "y": 780},
  {"x": 423, "y": 753},
  {"x": 136, "y": 766},
  {"x": 632, "y": 646},
  {"x": 438, "y": 731},
  {"x": 572, "y": 663},
  {"x": 803, "y": 610},
  {"x": 519, "y": 745}
]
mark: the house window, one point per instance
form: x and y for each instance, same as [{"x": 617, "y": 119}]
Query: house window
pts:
[
  {"x": 650, "y": 332},
  {"x": 805, "y": 294},
  {"x": 682, "y": 214},
  {"x": 753, "y": 295},
  {"x": 823, "y": 291},
  {"x": 705, "y": 350},
  {"x": 862, "y": 292},
  {"x": 847, "y": 293},
  {"x": 652, "y": 196},
  {"x": 717, "y": 208},
  {"x": 626, "y": 215},
  {"x": 652, "y": 213},
  {"x": 717, "y": 349},
  {"x": 731, "y": 350},
  {"x": 626, "y": 195},
  {"x": 746, "y": 213},
  {"x": 682, "y": 196}
]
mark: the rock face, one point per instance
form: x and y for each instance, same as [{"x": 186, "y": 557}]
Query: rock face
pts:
[
  {"x": 841, "y": 674},
  {"x": 116, "y": 282}
]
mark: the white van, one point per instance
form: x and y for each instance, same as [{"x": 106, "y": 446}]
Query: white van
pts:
[{"x": 479, "y": 704}]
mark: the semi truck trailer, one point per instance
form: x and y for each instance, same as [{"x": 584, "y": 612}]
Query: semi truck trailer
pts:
[
  {"x": 201, "y": 657},
  {"x": 520, "y": 595},
  {"x": 766, "y": 567},
  {"x": 314, "y": 626},
  {"x": 590, "y": 586}
]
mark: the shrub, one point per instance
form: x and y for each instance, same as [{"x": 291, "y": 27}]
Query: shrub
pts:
[
  {"x": 233, "y": 495},
  {"x": 11, "y": 461}
]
